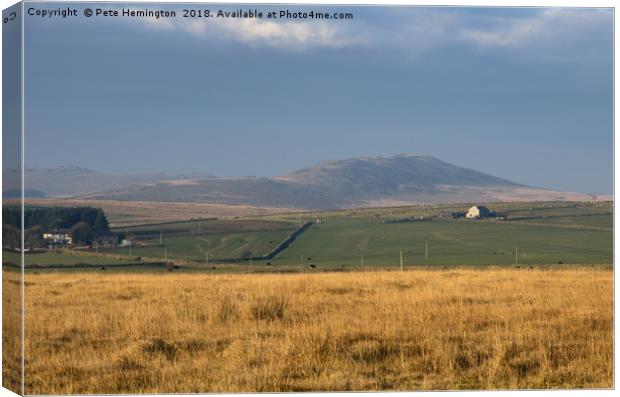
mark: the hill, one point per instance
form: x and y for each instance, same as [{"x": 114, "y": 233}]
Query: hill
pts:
[
  {"x": 380, "y": 175},
  {"x": 73, "y": 181},
  {"x": 361, "y": 182},
  {"x": 405, "y": 177}
]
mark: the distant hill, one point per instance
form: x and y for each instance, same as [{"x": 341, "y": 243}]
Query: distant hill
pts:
[
  {"x": 362, "y": 182},
  {"x": 29, "y": 193},
  {"x": 255, "y": 191},
  {"x": 372, "y": 176},
  {"x": 73, "y": 181}
]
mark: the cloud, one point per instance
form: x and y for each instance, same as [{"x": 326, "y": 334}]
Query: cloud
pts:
[
  {"x": 545, "y": 32},
  {"x": 550, "y": 25},
  {"x": 413, "y": 32},
  {"x": 285, "y": 35},
  {"x": 292, "y": 35}
]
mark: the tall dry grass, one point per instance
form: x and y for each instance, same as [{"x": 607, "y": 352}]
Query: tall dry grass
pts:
[
  {"x": 11, "y": 330},
  {"x": 413, "y": 330}
]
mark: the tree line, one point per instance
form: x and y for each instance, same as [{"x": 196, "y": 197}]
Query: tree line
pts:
[{"x": 83, "y": 223}]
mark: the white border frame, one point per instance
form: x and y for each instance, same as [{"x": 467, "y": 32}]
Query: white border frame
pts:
[{"x": 475, "y": 3}]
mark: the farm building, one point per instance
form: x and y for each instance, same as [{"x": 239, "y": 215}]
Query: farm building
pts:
[
  {"x": 59, "y": 238},
  {"x": 478, "y": 212}
]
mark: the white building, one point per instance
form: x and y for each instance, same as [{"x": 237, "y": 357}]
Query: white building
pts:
[
  {"x": 58, "y": 238},
  {"x": 126, "y": 243},
  {"x": 477, "y": 212}
]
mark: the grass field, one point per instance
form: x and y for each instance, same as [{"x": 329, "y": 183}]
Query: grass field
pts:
[
  {"x": 11, "y": 330},
  {"x": 218, "y": 246},
  {"x": 206, "y": 226},
  {"x": 412, "y": 330},
  {"x": 542, "y": 233},
  {"x": 342, "y": 241},
  {"x": 511, "y": 209},
  {"x": 193, "y": 240},
  {"x": 595, "y": 222}
]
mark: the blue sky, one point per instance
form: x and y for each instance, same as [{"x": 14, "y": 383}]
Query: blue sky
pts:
[{"x": 525, "y": 94}]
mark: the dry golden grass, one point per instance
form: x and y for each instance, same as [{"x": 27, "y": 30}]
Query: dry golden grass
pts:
[
  {"x": 435, "y": 329},
  {"x": 11, "y": 330}
]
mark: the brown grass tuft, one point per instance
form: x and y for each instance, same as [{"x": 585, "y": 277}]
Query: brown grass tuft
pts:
[
  {"x": 269, "y": 308},
  {"x": 228, "y": 310},
  {"x": 160, "y": 346}
]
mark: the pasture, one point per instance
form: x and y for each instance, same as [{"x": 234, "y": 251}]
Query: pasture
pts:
[
  {"x": 545, "y": 233},
  {"x": 194, "y": 240},
  {"x": 216, "y": 246},
  {"x": 342, "y": 241},
  {"x": 461, "y": 328},
  {"x": 542, "y": 233}
]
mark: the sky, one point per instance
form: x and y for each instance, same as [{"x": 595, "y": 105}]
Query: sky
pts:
[
  {"x": 520, "y": 93},
  {"x": 11, "y": 101}
]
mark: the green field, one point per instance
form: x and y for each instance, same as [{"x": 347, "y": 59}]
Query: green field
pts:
[
  {"x": 542, "y": 209},
  {"x": 599, "y": 222},
  {"x": 217, "y": 246},
  {"x": 451, "y": 242},
  {"x": 542, "y": 233}
]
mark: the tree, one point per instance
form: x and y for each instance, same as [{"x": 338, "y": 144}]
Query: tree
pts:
[
  {"x": 53, "y": 218},
  {"x": 11, "y": 236},
  {"x": 101, "y": 222},
  {"x": 82, "y": 233},
  {"x": 33, "y": 237}
]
